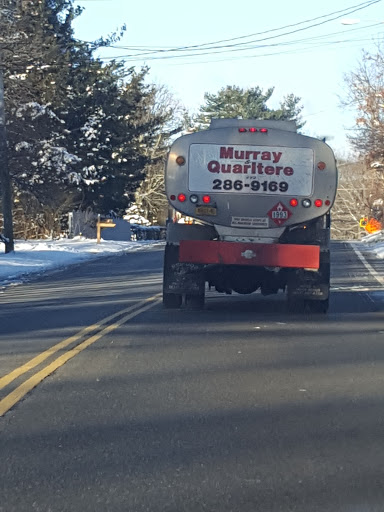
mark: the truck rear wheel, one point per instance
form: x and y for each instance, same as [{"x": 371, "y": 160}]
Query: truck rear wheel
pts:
[
  {"x": 321, "y": 306},
  {"x": 318, "y": 306},
  {"x": 171, "y": 258},
  {"x": 172, "y": 300},
  {"x": 195, "y": 301},
  {"x": 302, "y": 286},
  {"x": 295, "y": 305}
]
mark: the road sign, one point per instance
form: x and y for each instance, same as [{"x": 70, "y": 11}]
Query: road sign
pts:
[{"x": 363, "y": 222}]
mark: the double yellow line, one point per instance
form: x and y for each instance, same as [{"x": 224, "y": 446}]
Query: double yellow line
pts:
[{"x": 17, "y": 394}]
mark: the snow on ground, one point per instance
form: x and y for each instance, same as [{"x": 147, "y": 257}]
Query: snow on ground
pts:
[
  {"x": 35, "y": 257},
  {"x": 374, "y": 243}
]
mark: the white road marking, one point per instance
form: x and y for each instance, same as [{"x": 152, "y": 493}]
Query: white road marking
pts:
[{"x": 368, "y": 266}]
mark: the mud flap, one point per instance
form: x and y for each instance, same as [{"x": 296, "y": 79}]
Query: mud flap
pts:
[
  {"x": 181, "y": 278},
  {"x": 310, "y": 285},
  {"x": 307, "y": 287}
]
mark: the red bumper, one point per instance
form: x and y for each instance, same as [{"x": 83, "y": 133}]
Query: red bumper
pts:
[{"x": 242, "y": 253}]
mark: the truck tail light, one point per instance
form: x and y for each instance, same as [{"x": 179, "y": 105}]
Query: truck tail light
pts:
[
  {"x": 318, "y": 203},
  {"x": 253, "y": 130},
  {"x": 306, "y": 203},
  {"x": 193, "y": 198},
  {"x": 293, "y": 202},
  {"x": 206, "y": 199},
  {"x": 182, "y": 198},
  {"x": 321, "y": 166}
]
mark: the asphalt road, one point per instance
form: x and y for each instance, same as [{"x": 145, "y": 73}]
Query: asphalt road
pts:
[{"x": 240, "y": 407}]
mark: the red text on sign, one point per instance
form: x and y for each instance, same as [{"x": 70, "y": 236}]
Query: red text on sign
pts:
[{"x": 249, "y": 168}]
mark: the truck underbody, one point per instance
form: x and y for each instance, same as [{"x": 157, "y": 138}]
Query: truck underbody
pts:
[{"x": 298, "y": 264}]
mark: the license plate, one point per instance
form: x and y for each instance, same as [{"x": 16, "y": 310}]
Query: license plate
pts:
[{"x": 205, "y": 210}]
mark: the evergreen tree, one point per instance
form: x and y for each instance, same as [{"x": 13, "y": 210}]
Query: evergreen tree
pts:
[
  {"x": 111, "y": 127},
  {"x": 73, "y": 121},
  {"x": 38, "y": 154},
  {"x": 235, "y": 102}
]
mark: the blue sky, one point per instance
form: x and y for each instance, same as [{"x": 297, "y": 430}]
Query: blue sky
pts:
[{"x": 309, "y": 62}]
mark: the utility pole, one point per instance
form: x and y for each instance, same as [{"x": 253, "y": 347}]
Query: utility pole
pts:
[{"x": 5, "y": 180}]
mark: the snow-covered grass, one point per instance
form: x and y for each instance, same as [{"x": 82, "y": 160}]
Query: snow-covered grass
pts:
[
  {"x": 374, "y": 243},
  {"x": 37, "y": 256}
]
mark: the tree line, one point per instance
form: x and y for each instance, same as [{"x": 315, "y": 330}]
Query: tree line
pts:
[
  {"x": 84, "y": 134},
  {"x": 361, "y": 184},
  {"x": 80, "y": 132}
]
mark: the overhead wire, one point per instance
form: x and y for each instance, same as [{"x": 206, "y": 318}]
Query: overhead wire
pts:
[
  {"x": 316, "y": 40},
  {"x": 204, "y": 48},
  {"x": 216, "y": 52},
  {"x": 280, "y": 52},
  {"x": 360, "y": 6}
]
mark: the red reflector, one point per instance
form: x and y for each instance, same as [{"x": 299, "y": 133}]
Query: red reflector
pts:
[
  {"x": 180, "y": 160},
  {"x": 327, "y": 202},
  {"x": 182, "y": 198},
  {"x": 318, "y": 203},
  {"x": 293, "y": 202},
  {"x": 321, "y": 166},
  {"x": 172, "y": 197},
  {"x": 253, "y": 130},
  {"x": 206, "y": 199},
  {"x": 263, "y": 130},
  {"x": 242, "y": 130}
]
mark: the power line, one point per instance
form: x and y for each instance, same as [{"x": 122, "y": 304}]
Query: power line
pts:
[
  {"x": 276, "y": 44},
  {"x": 278, "y": 52},
  {"x": 203, "y": 47},
  {"x": 314, "y": 41}
]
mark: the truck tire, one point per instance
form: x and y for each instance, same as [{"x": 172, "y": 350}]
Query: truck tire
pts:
[
  {"x": 295, "y": 305},
  {"x": 321, "y": 306},
  {"x": 194, "y": 301},
  {"x": 171, "y": 257},
  {"x": 318, "y": 306},
  {"x": 172, "y": 300},
  {"x": 301, "y": 304}
]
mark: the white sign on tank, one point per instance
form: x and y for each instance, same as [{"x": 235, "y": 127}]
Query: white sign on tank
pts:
[{"x": 251, "y": 169}]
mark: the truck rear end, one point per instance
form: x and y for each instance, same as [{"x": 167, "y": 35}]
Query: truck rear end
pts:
[{"x": 260, "y": 196}]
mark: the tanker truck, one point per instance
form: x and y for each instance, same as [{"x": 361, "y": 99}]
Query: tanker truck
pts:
[{"x": 258, "y": 197}]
